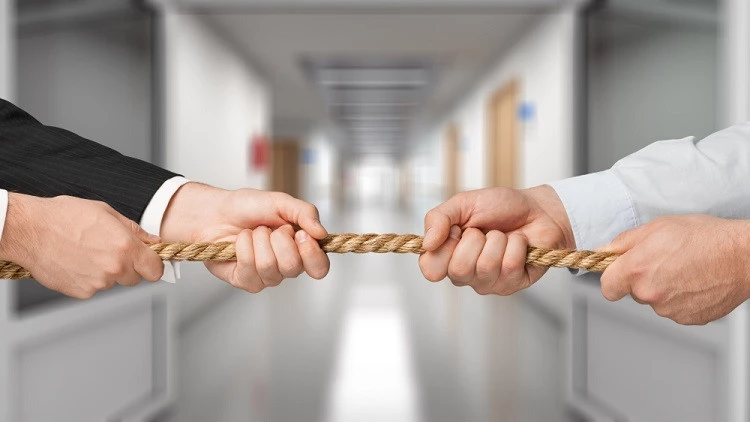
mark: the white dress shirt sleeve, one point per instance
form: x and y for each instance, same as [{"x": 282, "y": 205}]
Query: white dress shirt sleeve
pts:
[
  {"x": 154, "y": 214},
  {"x": 3, "y": 210},
  {"x": 680, "y": 176}
]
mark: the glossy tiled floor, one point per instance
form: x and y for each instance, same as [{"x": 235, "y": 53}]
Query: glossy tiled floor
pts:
[{"x": 373, "y": 341}]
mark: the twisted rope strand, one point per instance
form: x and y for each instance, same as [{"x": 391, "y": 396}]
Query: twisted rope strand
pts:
[{"x": 354, "y": 243}]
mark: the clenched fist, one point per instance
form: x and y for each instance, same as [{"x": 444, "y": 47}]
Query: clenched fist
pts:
[
  {"x": 262, "y": 226},
  {"x": 692, "y": 269},
  {"x": 480, "y": 238},
  {"x": 77, "y": 246}
]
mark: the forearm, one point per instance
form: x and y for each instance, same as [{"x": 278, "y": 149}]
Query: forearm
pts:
[
  {"x": 191, "y": 211},
  {"x": 668, "y": 177},
  {"x": 45, "y": 161},
  {"x": 687, "y": 177},
  {"x": 20, "y": 227}
]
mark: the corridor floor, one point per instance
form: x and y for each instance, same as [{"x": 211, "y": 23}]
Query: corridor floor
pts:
[{"x": 374, "y": 341}]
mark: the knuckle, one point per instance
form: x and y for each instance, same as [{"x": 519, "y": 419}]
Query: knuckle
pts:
[
  {"x": 664, "y": 312},
  {"x": 685, "y": 320},
  {"x": 649, "y": 294},
  {"x": 266, "y": 266},
  {"x": 291, "y": 268},
  {"x": 505, "y": 289},
  {"x": 102, "y": 284},
  {"x": 485, "y": 267},
  {"x": 85, "y": 294},
  {"x": 122, "y": 246},
  {"x": 459, "y": 271},
  {"x": 312, "y": 210},
  {"x": 114, "y": 269},
  {"x": 253, "y": 288},
  {"x": 281, "y": 196},
  {"x": 432, "y": 275},
  {"x": 515, "y": 266},
  {"x": 495, "y": 235},
  {"x": 482, "y": 291},
  {"x": 319, "y": 273},
  {"x": 103, "y": 205}
]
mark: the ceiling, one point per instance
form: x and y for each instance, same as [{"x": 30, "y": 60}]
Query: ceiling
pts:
[
  {"x": 367, "y": 4},
  {"x": 453, "y": 52}
]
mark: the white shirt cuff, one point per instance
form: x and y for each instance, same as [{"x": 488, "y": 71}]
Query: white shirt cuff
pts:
[
  {"x": 154, "y": 214},
  {"x": 3, "y": 210},
  {"x": 598, "y": 206}
]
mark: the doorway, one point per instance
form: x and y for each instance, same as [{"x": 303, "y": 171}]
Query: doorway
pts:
[
  {"x": 452, "y": 161},
  {"x": 285, "y": 166},
  {"x": 503, "y": 136}
]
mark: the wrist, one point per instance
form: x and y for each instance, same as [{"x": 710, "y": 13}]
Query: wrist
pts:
[
  {"x": 192, "y": 209},
  {"x": 549, "y": 203},
  {"x": 741, "y": 233},
  {"x": 18, "y": 234}
]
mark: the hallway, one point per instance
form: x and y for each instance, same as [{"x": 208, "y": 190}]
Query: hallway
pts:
[
  {"x": 375, "y": 111},
  {"x": 373, "y": 341}
]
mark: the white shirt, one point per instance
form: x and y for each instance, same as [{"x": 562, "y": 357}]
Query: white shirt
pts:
[
  {"x": 150, "y": 221},
  {"x": 680, "y": 176}
]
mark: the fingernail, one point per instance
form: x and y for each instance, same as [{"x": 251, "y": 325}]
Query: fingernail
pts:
[
  {"x": 301, "y": 237},
  {"x": 456, "y": 232}
]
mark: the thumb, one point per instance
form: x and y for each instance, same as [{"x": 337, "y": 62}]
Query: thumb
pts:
[
  {"x": 614, "y": 283},
  {"x": 302, "y": 214},
  {"x": 439, "y": 220},
  {"x": 625, "y": 241},
  {"x": 137, "y": 230}
]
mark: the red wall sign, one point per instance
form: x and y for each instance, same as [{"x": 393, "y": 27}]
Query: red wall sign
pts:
[{"x": 258, "y": 153}]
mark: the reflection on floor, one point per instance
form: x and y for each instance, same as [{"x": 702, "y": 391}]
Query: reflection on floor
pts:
[
  {"x": 374, "y": 380},
  {"x": 373, "y": 341}
]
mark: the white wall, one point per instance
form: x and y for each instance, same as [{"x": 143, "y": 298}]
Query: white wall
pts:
[
  {"x": 542, "y": 62},
  {"x": 214, "y": 103},
  {"x": 319, "y": 175},
  {"x": 94, "y": 80},
  {"x": 639, "y": 91}
]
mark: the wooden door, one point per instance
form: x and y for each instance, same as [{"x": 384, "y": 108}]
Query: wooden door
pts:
[
  {"x": 285, "y": 166},
  {"x": 452, "y": 140},
  {"x": 503, "y": 136}
]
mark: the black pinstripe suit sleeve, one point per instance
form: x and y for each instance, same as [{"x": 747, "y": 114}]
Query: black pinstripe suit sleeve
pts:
[{"x": 46, "y": 161}]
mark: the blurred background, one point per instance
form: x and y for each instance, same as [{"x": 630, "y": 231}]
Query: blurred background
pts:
[{"x": 375, "y": 111}]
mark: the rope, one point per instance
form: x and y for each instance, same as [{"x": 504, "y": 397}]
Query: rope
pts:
[{"x": 354, "y": 243}]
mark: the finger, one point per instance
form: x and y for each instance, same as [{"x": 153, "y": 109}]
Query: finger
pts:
[
  {"x": 434, "y": 264},
  {"x": 314, "y": 260},
  {"x": 301, "y": 213},
  {"x": 463, "y": 263},
  {"x": 626, "y": 241},
  {"x": 490, "y": 261},
  {"x": 245, "y": 275},
  {"x": 265, "y": 260},
  {"x": 242, "y": 273},
  {"x": 287, "y": 255},
  {"x": 147, "y": 263},
  {"x": 438, "y": 221},
  {"x": 613, "y": 283},
  {"x": 137, "y": 230},
  {"x": 131, "y": 277},
  {"x": 513, "y": 275}
]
